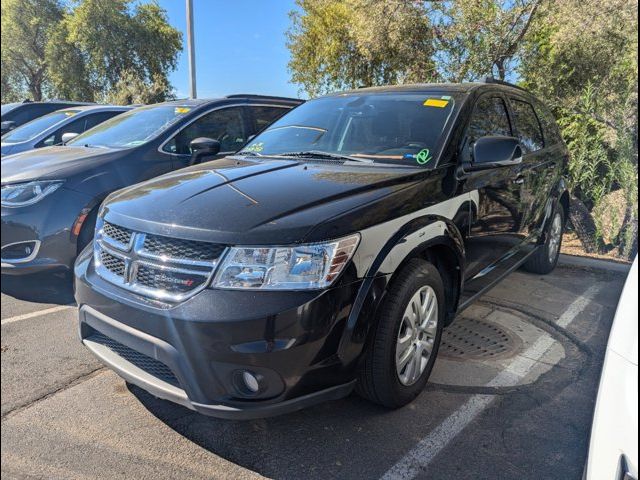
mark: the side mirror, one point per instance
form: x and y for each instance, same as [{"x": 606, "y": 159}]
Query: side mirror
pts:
[
  {"x": 6, "y": 127},
  {"x": 202, "y": 147},
  {"x": 67, "y": 137},
  {"x": 495, "y": 151}
]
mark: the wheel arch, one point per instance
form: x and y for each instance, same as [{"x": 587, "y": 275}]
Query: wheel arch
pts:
[{"x": 431, "y": 237}]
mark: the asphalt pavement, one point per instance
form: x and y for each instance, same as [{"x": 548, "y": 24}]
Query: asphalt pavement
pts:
[{"x": 511, "y": 397}]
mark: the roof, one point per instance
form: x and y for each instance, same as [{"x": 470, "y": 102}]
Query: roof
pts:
[
  {"x": 98, "y": 108},
  {"x": 464, "y": 87},
  {"x": 196, "y": 102}
]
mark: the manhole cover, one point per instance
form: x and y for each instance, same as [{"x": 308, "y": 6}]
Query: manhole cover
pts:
[{"x": 473, "y": 338}]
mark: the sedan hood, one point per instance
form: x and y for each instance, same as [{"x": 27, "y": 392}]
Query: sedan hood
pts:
[
  {"x": 252, "y": 202},
  {"x": 52, "y": 163}
]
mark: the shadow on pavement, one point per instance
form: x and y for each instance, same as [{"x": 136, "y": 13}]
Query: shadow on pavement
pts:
[
  {"x": 322, "y": 441},
  {"x": 55, "y": 288}
]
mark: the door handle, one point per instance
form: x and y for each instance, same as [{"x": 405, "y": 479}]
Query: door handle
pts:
[{"x": 519, "y": 180}]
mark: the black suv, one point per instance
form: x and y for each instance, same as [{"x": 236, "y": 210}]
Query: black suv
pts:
[
  {"x": 329, "y": 253},
  {"x": 50, "y": 196},
  {"x": 13, "y": 115}
]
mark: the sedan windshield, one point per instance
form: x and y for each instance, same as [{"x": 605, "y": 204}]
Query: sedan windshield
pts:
[
  {"x": 132, "y": 128},
  {"x": 399, "y": 128},
  {"x": 33, "y": 128}
]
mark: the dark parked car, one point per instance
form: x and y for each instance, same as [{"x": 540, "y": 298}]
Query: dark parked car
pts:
[
  {"x": 329, "y": 253},
  {"x": 50, "y": 196},
  {"x": 49, "y": 130},
  {"x": 12, "y": 115}
]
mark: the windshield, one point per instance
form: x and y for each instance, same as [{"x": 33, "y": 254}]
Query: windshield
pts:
[
  {"x": 399, "y": 128},
  {"x": 33, "y": 128},
  {"x": 132, "y": 128},
  {"x": 7, "y": 107}
]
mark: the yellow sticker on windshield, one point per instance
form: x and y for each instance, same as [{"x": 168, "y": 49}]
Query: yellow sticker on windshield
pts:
[
  {"x": 434, "y": 102},
  {"x": 179, "y": 110},
  {"x": 69, "y": 114}
]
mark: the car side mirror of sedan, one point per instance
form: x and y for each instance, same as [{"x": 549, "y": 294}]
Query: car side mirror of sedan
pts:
[
  {"x": 202, "y": 147},
  {"x": 7, "y": 127},
  {"x": 67, "y": 137},
  {"x": 493, "y": 152}
]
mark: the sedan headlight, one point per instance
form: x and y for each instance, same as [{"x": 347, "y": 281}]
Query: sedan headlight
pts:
[
  {"x": 23, "y": 194},
  {"x": 301, "y": 267}
]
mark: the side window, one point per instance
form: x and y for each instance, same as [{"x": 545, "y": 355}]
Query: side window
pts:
[
  {"x": 96, "y": 118},
  {"x": 550, "y": 127},
  {"x": 75, "y": 126},
  {"x": 225, "y": 125},
  {"x": 528, "y": 126},
  {"x": 265, "y": 116},
  {"x": 489, "y": 118}
]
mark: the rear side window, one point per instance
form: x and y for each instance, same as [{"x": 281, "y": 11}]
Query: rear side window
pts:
[
  {"x": 96, "y": 118},
  {"x": 527, "y": 125},
  {"x": 489, "y": 118},
  {"x": 265, "y": 116},
  {"x": 550, "y": 127}
]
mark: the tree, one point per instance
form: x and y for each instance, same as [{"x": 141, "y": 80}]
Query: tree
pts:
[
  {"x": 338, "y": 44},
  {"x": 480, "y": 38},
  {"x": 586, "y": 66},
  {"x": 98, "y": 42},
  {"x": 26, "y": 28},
  {"x": 131, "y": 89}
]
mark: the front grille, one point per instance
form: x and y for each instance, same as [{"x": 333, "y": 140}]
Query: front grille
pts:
[
  {"x": 156, "y": 266},
  {"x": 118, "y": 234},
  {"x": 185, "y": 249},
  {"x": 112, "y": 263},
  {"x": 150, "y": 365}
]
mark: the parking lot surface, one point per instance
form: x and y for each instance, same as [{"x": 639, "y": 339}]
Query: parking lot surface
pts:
[{"x": 511, "y": 397}]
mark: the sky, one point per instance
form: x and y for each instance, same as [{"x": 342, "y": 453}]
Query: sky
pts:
[{"x": 240, "y": 47}]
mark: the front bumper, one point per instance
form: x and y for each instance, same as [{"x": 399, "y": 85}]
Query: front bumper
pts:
[
  {"x": 191, "y": 353},
  {"x": 49, "y": 224}
]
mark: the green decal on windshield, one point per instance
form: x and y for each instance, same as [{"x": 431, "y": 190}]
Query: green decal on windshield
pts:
[
  {"x": 424, "y": 156},
  {"x": 256, "y": 147}
]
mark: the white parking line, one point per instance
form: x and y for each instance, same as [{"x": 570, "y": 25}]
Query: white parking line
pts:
[
  {"x": 419, "y": 457},
  {"x": 39, "y": 313}
]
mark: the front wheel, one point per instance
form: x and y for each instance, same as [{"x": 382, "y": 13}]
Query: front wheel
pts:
[
  {"x": 404, "y": 346},
  {"x": 545, "y": 259}
]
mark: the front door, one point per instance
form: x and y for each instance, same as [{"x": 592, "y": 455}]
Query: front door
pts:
[
  {"x": 227, "y": 125},
  {"x": 495, "y": 233}
]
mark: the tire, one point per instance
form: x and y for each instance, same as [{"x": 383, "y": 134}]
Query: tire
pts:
[
  {"x": 380, "y": 380},
  {"x": 545, "y": 259}
]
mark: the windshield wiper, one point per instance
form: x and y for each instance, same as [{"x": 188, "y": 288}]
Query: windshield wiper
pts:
[
  {"x": 249, "y": 154},
  {"x": 326, "y": 155}
]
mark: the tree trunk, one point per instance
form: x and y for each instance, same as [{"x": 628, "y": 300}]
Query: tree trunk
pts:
[{"x": 583, "y": 224}]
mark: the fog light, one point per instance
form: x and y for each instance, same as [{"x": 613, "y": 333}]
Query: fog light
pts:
[{"x": 250, "y": 381}]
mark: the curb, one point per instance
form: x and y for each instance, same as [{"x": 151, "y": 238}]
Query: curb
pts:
[{"x": 593, "y": 263}]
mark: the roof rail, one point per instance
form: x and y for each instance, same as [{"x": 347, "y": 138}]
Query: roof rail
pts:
[{"x": 497, "y": 81}]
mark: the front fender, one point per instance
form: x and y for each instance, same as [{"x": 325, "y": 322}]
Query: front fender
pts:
[{"x": 411, "y": 240}]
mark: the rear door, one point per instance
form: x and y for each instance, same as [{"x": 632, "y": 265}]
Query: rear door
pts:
[
  {"x": 494, "y": 234},
  {"x": 539, "y": 163}
]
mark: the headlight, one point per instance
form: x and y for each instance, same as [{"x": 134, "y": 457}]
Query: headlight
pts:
[
  {"x": 23, "y": 194},
  {"x": 302, "y": 267}
]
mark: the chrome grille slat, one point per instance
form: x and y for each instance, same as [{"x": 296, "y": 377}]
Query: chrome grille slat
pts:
[{"x": 156, "y": 266}]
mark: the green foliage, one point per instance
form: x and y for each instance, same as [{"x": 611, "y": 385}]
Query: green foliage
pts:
[
  {"x": 131, "y": 89},
  {"x": 86, "y": 49},
  {"x": 101, "y": 41},
  {"x": 340, "y": 44},
  {"x": 26, "y": 27}
]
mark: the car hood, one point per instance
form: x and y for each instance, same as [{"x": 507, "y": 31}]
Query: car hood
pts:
[
  {"x": 52, "y": 163},
  {"x": 252, "y": 202}
]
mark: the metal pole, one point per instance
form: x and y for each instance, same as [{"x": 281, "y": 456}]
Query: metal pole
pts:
[{"x": 191, "y": 50}]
